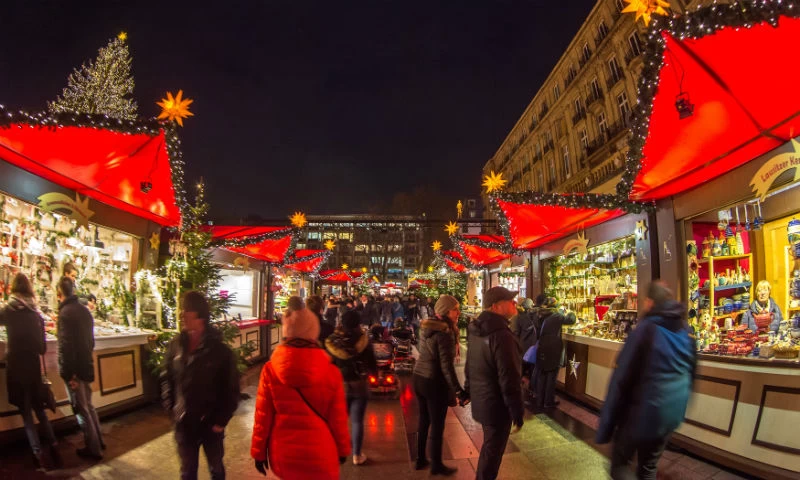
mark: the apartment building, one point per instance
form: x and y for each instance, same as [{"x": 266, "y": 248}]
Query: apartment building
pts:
[{"x": 573, "y": 136}]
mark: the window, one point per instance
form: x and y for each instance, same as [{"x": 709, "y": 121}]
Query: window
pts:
[
  {"x": 539, "y": 179},
  {"x": 620, "y": 5},
  {"x": 602, "y": 123},
  {"x": 602, "y": 30},
  {"x": 471, "y": 203},
  {"x": 635, "y": 44},
  {"x": 560, "y": 129},
  {"x": 596, "y": 88},
  {"x": 313, "y": 235},
  {"x": 552, "y": 170},
  {"x": 361, "y": 247},
  {"x": 584, "y": 138},
  {"x": 613, "y": 67},
  {"x": 548, "y": 136},
  {"x": 329, "y": 235},
  {"x": 578, "y": 106},
  {"x": 556, "y": 92},
  {"x": 585, "y": 52},
  {"x": 565, "y": 157},
  {"x": 472, "y": 213},
  {"x": 348, "y": 237},
  {"x": 624, "y": 109},
  {"x": 538, "y": 149}
]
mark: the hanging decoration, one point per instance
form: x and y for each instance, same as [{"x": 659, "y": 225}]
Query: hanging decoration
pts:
[
  {"x": 298, "y": 219},
  {"x": 494, "y": 182},
  {"x": 436, "y": 245},
  {"x": 644, "y": 9},
  {"x": 345, "y": 266},
  {"x": 773, "y": 168},
  {"x": 451, "y": 228},
  {"x": 307, "y": 261},
  {"x": 175, "y": 108},
  {"x": 574, "y": 365},
  {"x": 77, "y": 209},
  {"x": 330, "y": 244},
  {"x": 155, "y": 241},
  {"x": 479, "y": 251},
  {"x": 242, "y": 262},
  {"x": 641, "y": 230},
  {"x": 579, "y": 245}
]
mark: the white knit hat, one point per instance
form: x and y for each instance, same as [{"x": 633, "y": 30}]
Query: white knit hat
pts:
[{"x": 301, "y": 324}]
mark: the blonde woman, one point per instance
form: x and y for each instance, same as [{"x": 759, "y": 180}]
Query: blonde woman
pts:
[{"x": 763, "y": 305}]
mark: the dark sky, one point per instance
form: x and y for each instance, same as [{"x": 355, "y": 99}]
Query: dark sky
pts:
[{"x": 325, "y": 107}]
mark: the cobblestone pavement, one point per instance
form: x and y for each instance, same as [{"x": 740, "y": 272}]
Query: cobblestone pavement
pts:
[{"x": 556, "y": 445}]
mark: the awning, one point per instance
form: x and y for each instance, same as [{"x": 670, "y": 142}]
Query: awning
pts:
[
  {"x": 268, "y": 244},
  {"x": 743, "y": 88},
  {"x": 130, "y": 166},
  {"x": 307, "y": 261},
  {"x": 453, "y": 260},
  {"x": 335, "y": 276},
  {"x": 479, "y": 251}
]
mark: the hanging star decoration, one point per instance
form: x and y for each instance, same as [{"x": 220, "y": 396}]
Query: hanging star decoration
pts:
[
  {"x": 430, "y": 268},
  {"x": 122, "y": 36},
  {"x": 574, "y": 366},
  {"x": 494, "y": 182},
  {"x": 363, "y": 269},
  {"x": 436, "y": 246},
  {"x": 330, "y": 244},
  {"x": 298, "y": 219},
  {"x": 641, "y": 230},
  {"x": 451, "y": 228},
  {"x": 155, "y": 241},
  {"x": 175, "y": 108},
  {"x": 644, "y": 9},
  {"x": 345, "y": 266}
]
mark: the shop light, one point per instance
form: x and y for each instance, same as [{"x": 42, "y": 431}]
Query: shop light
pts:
[
  {"x": 146, "y": 186},
  {"x": 683, "y": 105}
]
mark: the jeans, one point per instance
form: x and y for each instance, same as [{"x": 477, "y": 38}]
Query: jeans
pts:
[
  {"x": 190, "y": 434},
  {"x": 30, "y": 427},
  {"x": 432, "y": 399},
  {"x": 357, "y": 396},
  {"x": 81, "y": 400},
  {"x": 647, "y": 452},
  {"x": 495, "y": 438},
  {"x": 545, "y": 387}
]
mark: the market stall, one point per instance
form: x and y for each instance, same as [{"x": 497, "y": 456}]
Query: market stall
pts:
[{"x": 93, "y": 193}]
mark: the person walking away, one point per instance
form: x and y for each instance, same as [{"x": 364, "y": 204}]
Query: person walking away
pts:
[
  {"x": 25, "y": 344},
  {"x": 527, "y": 331},
  {"x": 650, "y": 388},
  {"x": 353, "y": 354},
  {"x": 332, "y": 312},
  {"x": 549, "y": 353},
  {"x": 200, "y": 388},
  {"x": 435, "y": 383},
  {"x": 76, "y": 366},
  {"x": 386, "y": 312},
  {"x": 412, "y": 313},
  {"x": 492, "y": 378},
  {"x": 300, "y": 424},
  {"x": 370, "y": 314},
  {"x": 314, "y": 305}
]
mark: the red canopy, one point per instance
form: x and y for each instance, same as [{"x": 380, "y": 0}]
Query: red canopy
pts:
[
  {"x": 531, "y": 225},
  {"x": 482, "y": 250},
  {"x": 108, "y": 166},
  {"x": 454, "y": 260},
  {"x": 335, "y": 275},
  {"x": 269, "y": 244},
  {"x": 307, "y": 261},
  {"x": 746, "y": 103}
]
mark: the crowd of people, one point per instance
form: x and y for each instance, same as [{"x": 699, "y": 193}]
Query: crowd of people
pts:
[{"x": 313, "y": 392}]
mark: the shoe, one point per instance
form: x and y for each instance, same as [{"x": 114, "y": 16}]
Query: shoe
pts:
[
  {"x": 102, "y": 446},
  {"x": 443, "y": 470},
  {"x": 422, "y": 464},
  {"x": 359, "y": 459},
  {"x": 85, "y": 453},
  {"x": 55, "y": 457}
]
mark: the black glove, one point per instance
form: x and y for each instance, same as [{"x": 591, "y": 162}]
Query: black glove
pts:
[
  {"x": 463, "y": 398},
  {"x": 262, "y": 466},
  {"x": 342, "y": 460}
]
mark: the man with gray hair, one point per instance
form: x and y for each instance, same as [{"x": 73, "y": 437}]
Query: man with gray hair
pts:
[{"x": 650, "y": 388}]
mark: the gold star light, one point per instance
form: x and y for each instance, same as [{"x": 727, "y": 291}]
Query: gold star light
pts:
[
  {"x": 155, "y": 241},
  {"x": 494, "y": 181},
  {"x": 451, "y": 228},
  {"x": 330, "y": 244},
  {"x": 298, "y": 219},
  {"x": 345, "y": 266},
  {"x": 122, "y": 36},
  {"x": 430, "y": 268},
  {"x": 175, "y": 108},
  {"x": 363, "y": 269},
  {"x": 645, "y": 8},
  {"x": 437, "y": 245}
]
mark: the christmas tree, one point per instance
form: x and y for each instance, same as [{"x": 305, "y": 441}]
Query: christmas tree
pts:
[{"x": 104, "y": 86}]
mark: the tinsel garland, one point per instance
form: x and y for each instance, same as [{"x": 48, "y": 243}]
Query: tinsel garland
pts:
[{"x": 705, "y": 21}]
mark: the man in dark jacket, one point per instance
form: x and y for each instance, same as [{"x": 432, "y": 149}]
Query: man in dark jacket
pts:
[
  {"x": 200, "y": 387},
  {"x": 492, "y": 377},
  {"x": 548, "y": 354},
  {"x": 315, "y": 305},
  {"x": 650, "y": 388},
  {"x": 76, "y": 366},
  {"x": 369, "y": 313}
]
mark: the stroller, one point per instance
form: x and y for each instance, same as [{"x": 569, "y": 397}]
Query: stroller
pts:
[
  {"x": 385, "y": 382},
  {"x": 403, "y": 339}
]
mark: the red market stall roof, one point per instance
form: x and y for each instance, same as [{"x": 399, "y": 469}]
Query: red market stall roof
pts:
[
  {"x": 453, "y": 260},
  {"x": 742, "y": 86},
  {"x": 131, "y": 166},
  {"x": 307, "y": 261},
  {"x": 268, "y": 244},
  {"x": 479, "y": 251},
  {"x": 335, "y": 275}
]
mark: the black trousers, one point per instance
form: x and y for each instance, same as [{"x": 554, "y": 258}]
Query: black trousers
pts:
[
  {"x": 495, "y": 438},
  {"x": 648, "y": 453},
  {"x": 545, "y": 387},
  {"x": 433, "y": 399}
]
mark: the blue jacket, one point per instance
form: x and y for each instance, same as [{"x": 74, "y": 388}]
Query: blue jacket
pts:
[
  {"x": 397, "y": 311},
  {"x": 650, "y": 388}
]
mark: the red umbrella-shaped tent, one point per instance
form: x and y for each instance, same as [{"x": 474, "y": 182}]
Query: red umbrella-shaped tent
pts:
[
  {"x": 453, "y": 260},
  {"x": 479, "y": 251},
  {"x": 335, "y": 275},
  {"x": 307, "y": 261},
  {"x": 268, "y": 244}
]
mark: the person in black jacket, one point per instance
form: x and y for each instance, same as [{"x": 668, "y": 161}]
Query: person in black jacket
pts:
[
  {"x": 76, "y": 366},
  {"x": 352, "y": 352},
  {"x": 548, "y": 355},
  {"x": 435, "y": 382},
  {"x": 200, "y": 387},
  {"x": 26, "y": 342},
  {"x": 314, "y": 304},
  {"x": 492, "y": 377},
  {"x": 369, "y": 314},
  {"x": 526, "y": 329}
]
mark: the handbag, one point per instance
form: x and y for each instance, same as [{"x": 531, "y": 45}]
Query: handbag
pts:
[
  {"x": 46, "y": 395},
  {"x": 530, "y": 354}
]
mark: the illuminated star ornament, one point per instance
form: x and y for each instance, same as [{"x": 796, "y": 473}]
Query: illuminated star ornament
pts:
[
  {"x": 641, "y": 230},
  {"x": 298, "y": 219},
  {"x": 122, "y": 36},
  {"x": 644, "y": 9},
  {"x": 345, "y": 266},
  {"x": 330, "y": 244},
  {"x": 155, "y": 241},
  {"x": 363, "y": 269},
  {"x": 451, "y": 228},
  {"x": 574, "y": 366},
  {"x": 494, "y": 182},
  {"x": 436, "y": 246},
  {"x": 175, "y": 108}
]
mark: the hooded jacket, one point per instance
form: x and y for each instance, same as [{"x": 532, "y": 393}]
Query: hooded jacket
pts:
[
  {"x": 299, "y": 443},
  {"x": 75, "y": 340},
  {"x": 25, "y": 331},
  {"x": 352, "y": 353},
  {"x": 493, "y": 371},
  {"x": 650, "y": 388},
  {"x": 436, "y": 353},
  {"x": 548, "y": 354}
]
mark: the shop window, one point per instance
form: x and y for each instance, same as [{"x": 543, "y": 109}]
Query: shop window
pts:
[
  {"x": 347, "y": 237},
  {"x": 238, "y": 285},
  {"x": 329, "y": 235}
]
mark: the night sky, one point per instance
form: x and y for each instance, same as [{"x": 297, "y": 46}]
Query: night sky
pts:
[{"x": 325, "y": 107}]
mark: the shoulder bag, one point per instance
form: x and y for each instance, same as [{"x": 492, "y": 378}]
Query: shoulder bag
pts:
[
  {"x": 530, "y": 355},
  {"x": 46, "y": 395}
]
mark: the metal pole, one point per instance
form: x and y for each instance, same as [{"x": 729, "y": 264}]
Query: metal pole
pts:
[
  {"x": 530, "y": 274},
  {"x": 270, "y": 295}
]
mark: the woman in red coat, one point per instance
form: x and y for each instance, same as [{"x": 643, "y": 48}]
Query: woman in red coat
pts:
[{"x": 300, "y": 420}]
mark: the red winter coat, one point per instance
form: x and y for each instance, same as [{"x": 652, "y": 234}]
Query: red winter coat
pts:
[{"x": 299, "y": 443}]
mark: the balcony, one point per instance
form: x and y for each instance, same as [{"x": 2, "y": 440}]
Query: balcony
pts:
[
  {"x": 595, "y": 96},
  {"x": 601, "y": 35},
  {"x": 570, "y": 78},
  {"x": 615, "y": 76},
  {"x": 633, "y": 54},
  {"x": 579, "y": 115},
  {"x": 584, "y": 59}
]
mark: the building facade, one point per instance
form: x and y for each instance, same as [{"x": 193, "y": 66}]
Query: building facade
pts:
[{"x": 573, "y": 136}]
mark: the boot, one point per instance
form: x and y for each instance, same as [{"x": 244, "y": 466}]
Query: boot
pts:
[
  {"x": 55, "y": 457},
  {"x": 41, "y": 461},
  {"x": 443, "y": 469}
]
